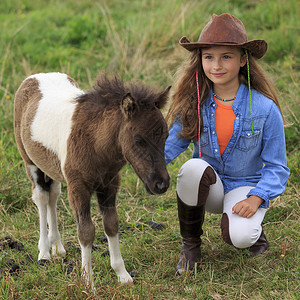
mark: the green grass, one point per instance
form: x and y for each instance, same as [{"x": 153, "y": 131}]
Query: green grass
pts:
[{"x": 139, "y": 41}]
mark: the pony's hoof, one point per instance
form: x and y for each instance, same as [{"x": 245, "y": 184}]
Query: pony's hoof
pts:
[
  {"x": 126, "y": 278},
  {"x": 44, "y": 255},
  {"x": 44, "y": 262},
  {"x": 58, "y": 249},
  {"x": 133, "y": 273}
]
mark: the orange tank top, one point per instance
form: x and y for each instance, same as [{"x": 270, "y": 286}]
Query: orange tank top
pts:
[{"x": 224, "y": 120}]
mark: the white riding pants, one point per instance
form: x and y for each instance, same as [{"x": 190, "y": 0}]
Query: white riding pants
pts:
[{"x": 243, "y": 232}]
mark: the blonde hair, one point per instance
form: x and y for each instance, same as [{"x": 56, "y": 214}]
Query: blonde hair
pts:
[{"x": 185, "y": 100}]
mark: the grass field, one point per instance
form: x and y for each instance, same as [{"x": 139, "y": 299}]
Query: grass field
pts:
[{"x": 139, "y": 41}]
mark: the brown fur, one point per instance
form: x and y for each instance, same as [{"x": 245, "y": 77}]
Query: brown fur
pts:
[
  {"x": 112, "y": 124},
  {"x": 29, "y": 95}
]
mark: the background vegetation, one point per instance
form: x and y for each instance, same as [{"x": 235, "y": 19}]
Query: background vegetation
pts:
[{"x": 138, "y": 39}]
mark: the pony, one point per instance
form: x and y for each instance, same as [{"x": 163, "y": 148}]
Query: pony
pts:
[{"x": 83, "y": 139}]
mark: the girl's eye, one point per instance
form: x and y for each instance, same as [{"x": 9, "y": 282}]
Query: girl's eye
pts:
[
  {"x": 226, "y": 56},
  {"x": 207, "y": 57}
]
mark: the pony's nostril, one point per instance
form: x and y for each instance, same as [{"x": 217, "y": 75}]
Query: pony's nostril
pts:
[{"x": 161, "y": 186}]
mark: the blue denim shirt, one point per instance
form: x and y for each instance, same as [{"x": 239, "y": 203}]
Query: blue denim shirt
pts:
[{"x": 257, "y": 159}]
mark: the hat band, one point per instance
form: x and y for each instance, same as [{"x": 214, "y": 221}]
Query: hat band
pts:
[{"x": 221, "y": 42}]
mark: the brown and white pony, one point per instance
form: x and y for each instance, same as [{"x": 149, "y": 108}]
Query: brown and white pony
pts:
[{"x": 83, "y": 139}]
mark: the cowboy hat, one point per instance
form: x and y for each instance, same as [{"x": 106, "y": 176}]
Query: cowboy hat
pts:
[{"x": 226, "y": 30}]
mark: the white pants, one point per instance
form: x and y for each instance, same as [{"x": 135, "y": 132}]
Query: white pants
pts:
[{"x": 242, "y": 232}]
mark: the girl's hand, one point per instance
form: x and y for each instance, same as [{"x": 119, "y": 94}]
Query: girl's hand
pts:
[{"x": 248, "y": 207}]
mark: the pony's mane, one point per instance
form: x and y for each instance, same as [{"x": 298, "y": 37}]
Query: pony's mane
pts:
[{"x": 108, "y": 92}]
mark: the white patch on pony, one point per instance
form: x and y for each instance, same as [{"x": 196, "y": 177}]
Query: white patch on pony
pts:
[
  {"x": 46, "y": 204},
  {"x": 116, "y": 260},
  {"x": 52, "y": 123},
  {"x": 53, "y": 234},
  {"x": 41, "y": 199},
  {"x": 86, "y": 264}
]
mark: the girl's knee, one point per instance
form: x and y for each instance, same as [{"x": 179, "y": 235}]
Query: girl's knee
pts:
[
  {"x": 241, "y": 235},
  {"x": 244, "y": 239},
  {"x": 193, "y": 167},
  {"x": 194, "y": 180}
]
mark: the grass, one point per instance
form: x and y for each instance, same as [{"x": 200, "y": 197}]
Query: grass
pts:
[{"x": 139, "y": 41}]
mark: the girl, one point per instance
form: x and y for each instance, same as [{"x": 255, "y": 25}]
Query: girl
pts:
[{"x": 225, "y": 105}]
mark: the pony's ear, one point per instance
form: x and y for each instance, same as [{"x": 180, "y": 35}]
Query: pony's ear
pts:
[
  {"x": 162, "y": 98},
  {"x": 128, "y": 106}
]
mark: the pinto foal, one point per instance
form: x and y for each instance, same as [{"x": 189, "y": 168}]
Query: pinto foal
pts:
[{"x": 83, "y": 139}]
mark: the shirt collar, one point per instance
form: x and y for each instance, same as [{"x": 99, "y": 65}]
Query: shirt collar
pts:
[
  {"x": 240, "y": 99},
  {"x": 241, "y": 96}
]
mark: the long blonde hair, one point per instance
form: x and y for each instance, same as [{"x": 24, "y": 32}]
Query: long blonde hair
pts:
[{"x": 185, "y": 100}]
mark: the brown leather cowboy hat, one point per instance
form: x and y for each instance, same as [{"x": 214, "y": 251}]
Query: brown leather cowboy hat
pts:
[{"x": 226, "y": 30}]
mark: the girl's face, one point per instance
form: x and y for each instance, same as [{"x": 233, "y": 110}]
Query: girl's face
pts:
[{"x": 221, "y": 64}]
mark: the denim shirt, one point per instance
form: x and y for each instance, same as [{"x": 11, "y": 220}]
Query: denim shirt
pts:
[{"x": 249, "y": 159}]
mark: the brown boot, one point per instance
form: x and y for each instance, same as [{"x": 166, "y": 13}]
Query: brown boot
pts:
[
  {"x": 191, "y": 220},
  {"x": 190, "y": 256},
  {"x": 260, "y": 246}
]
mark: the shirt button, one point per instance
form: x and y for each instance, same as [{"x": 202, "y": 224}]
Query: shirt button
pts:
[
  {"x": 213, "y": 132},
  {"x": 234, "y": 135},
  {"x": 228, "y": 150},
  {"x": 216, "y": 150},
  {"x": 248, "y": 134},
  {"x": 214, "y": 105},
  {"x": 212, "y": 115},
  {"x": 237, "y": 118}
]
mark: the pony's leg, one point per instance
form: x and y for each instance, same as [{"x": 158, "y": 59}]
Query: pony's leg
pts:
[
  {"x": 79, "y": 198},
  {"x": 53, "y": 235},
  {"x": 40, "y": 196},
  {"x": 116, "y": 259},
  {"x": 106, "y": 201}
]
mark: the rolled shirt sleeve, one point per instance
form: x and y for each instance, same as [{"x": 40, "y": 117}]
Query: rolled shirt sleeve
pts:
[{"x": 174, "y": 144}]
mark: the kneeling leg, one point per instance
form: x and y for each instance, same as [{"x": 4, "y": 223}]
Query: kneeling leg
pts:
[
  {"x": 243, "y": 232},
  {"x": 194, "y": 183}
]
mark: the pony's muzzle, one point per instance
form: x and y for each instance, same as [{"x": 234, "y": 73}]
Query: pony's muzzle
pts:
[
  {"x": 162, "y": 186},
  {"x": 157, "y": 185}
]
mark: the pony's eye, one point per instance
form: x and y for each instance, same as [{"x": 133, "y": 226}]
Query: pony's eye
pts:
[
  {"x": 157, "y": 132},
  {"x": 139, "y": 141}
]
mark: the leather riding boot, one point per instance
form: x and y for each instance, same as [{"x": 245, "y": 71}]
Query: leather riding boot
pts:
[
  {"x": 191, "y": 220},
  {"x": 260, "y": 246}
]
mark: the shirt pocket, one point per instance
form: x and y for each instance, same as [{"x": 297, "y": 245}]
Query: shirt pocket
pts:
[
  {"x": 247, "y": 140},
  {"x": 204, "y": 136}
]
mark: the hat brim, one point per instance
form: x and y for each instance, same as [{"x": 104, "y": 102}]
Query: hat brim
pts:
[{"x": 257, "y": 48}]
